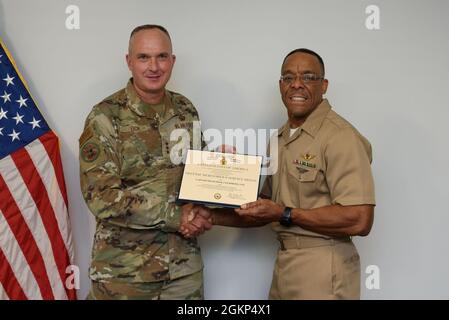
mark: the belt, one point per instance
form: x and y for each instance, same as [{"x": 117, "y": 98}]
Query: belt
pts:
[{"x": 300, "y": 241}]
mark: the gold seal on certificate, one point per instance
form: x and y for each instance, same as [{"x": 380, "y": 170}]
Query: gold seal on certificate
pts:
[{"x": 223, "y": 179}]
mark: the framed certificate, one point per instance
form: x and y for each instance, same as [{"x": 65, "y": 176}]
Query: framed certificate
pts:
[{"x": 220, "y": 179}]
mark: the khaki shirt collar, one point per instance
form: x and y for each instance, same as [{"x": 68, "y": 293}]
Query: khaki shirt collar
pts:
[
  {"x": 138, "y": 106},
  {"x": 311, "y": 125}
]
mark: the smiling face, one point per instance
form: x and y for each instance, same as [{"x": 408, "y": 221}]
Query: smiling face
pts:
[
  {"x": 150, "y": 61},
  {"x": 301, "y": 98}
]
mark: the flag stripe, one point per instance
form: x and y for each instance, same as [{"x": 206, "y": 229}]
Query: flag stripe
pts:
[
  {"x": 33, "y": 182},
  {"x": 3, "y": 295},
  {"x": 46, "y": 171},
  {"x": 51, "y": 143},
  {"x": 17, "y": 263},
  {"x": 29, "y": 210},
  {"x": 24, "y": 238},
  {"x": 8, "y": 278}
]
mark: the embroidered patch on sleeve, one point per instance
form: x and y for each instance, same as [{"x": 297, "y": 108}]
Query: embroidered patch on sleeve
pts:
[{"x": 90, "y": 152}]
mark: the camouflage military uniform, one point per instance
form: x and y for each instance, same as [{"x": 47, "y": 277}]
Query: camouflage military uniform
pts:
[{"x": 130, "y": 184}]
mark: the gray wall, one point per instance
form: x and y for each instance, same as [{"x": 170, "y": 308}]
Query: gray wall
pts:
[{"x": 390, "y": 83}]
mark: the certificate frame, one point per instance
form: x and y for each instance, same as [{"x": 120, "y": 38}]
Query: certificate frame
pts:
[{"x": 228, "y": 166}]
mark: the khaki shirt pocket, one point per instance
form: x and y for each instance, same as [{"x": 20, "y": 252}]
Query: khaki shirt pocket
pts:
[
  {"x": 312, "y": 188},
  {"x": 301, "y": 183},
  {"x": 308, "y": 176},
  {"x": 299, "y": 174},
  {"x": 308, "y": 188}
]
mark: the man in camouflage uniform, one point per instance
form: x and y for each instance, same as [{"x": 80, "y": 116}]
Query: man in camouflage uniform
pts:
[{"x": 130, "y": 183}]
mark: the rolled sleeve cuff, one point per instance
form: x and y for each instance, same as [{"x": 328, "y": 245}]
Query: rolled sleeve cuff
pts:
[
  {"x": 173, "y": 220},
  {"x": 356, "y": 201}
]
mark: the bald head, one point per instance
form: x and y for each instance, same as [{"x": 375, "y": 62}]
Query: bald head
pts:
[{"x": 157, "y": 31}]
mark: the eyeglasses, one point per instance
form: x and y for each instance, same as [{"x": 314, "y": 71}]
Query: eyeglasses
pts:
[{"x": 305, "y": 78}]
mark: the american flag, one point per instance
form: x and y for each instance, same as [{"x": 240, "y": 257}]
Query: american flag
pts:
[{"x": 35, "y": 239}]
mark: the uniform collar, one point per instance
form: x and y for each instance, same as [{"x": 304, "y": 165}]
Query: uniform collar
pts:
[
  {"x": 312, "y": 123},
  {"x": 138, "y": 106}
]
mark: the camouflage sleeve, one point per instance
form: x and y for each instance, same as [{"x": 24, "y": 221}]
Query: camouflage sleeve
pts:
[{"x": 106, "y": 194}]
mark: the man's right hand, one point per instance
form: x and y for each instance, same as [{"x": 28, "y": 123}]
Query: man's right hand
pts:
[{"x": 195, "y": 219}]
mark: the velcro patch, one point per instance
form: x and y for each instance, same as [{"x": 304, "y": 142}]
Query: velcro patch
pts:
[{"x": 90, "y": 152}]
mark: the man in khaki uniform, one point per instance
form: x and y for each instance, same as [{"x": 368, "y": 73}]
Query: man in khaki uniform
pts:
[
  {"x": 130, "y": 182},
  {"x": 320, "y": 196}
]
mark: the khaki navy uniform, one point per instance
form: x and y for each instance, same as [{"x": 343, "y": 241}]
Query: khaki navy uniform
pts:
[{"x": 325, "y": 162}]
